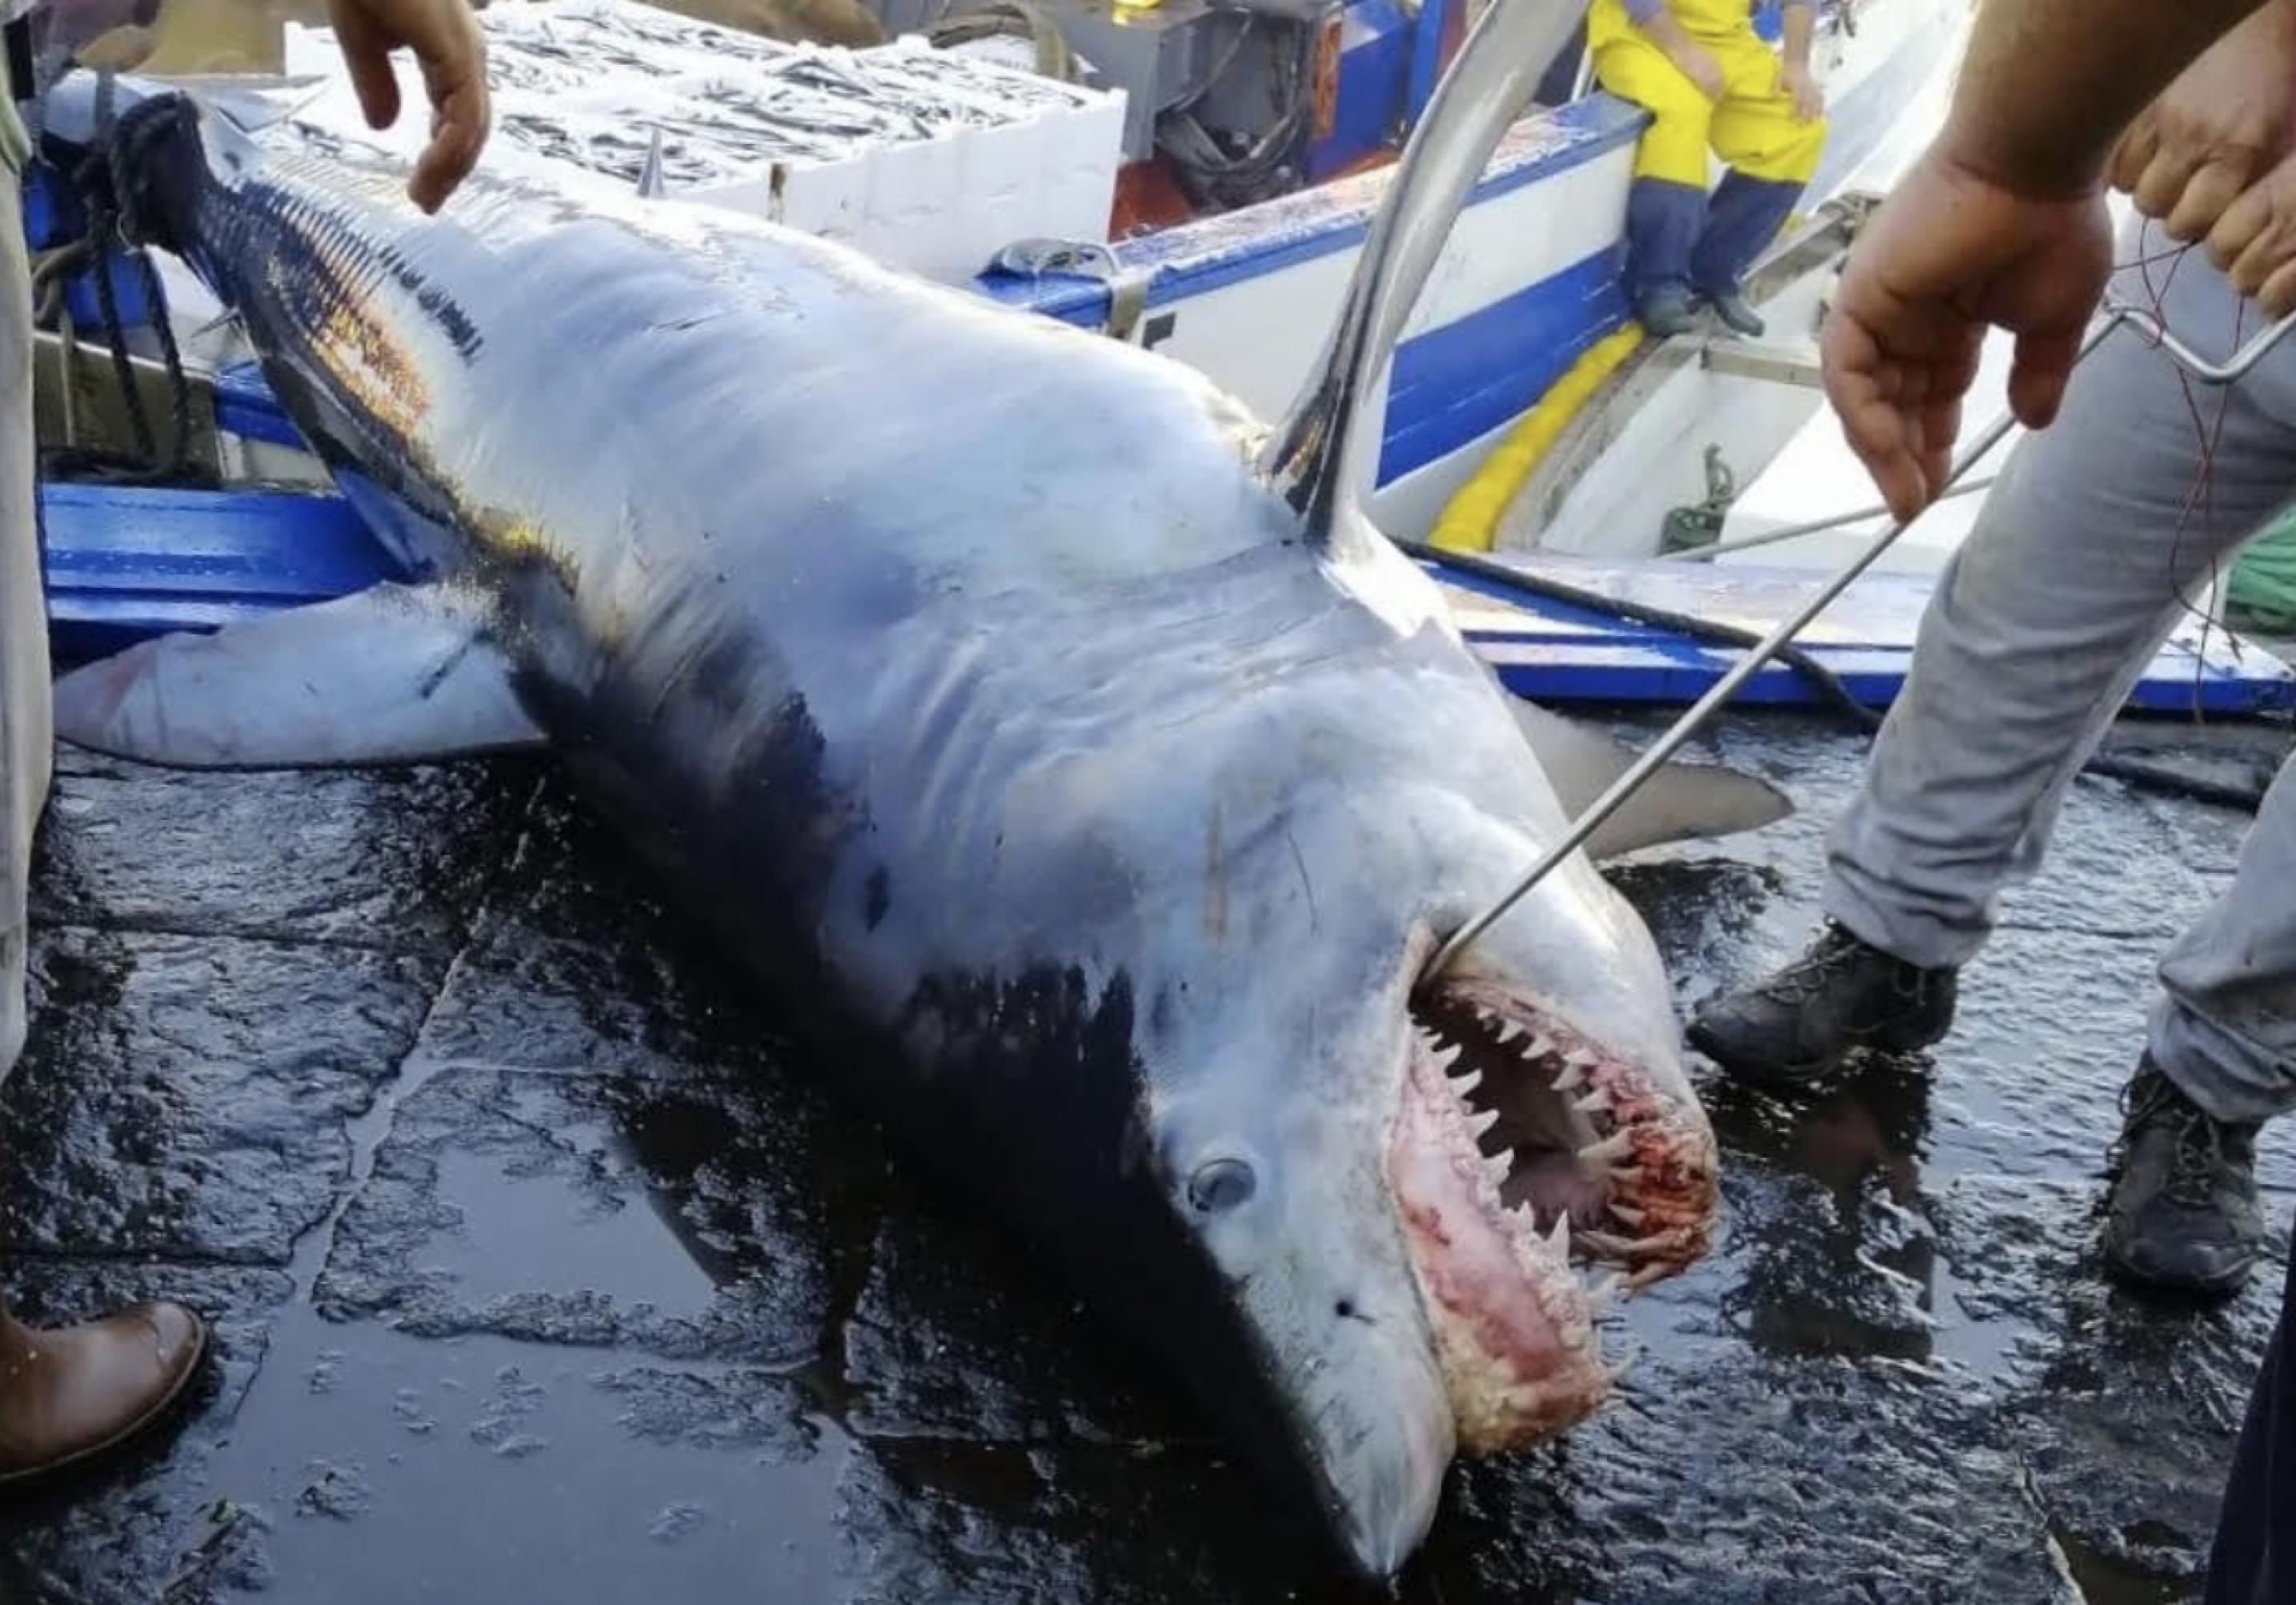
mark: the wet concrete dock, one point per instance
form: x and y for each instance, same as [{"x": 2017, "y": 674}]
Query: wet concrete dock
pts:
[{"x": 543, "y": 1270}]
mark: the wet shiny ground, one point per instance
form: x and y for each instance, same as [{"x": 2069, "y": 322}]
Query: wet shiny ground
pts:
[{"x": 543, "y": 1271}]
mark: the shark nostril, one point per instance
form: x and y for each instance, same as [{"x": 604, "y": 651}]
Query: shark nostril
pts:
[{"x": 1221, "y": 1184}]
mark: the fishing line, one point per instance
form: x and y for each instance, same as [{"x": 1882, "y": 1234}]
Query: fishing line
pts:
[{"x": 2148, "y": 323}]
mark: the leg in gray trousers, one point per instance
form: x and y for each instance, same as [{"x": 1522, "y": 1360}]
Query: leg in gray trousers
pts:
[
  {"x": 2089, "y": 548},
  {"x": 2041, "y": 624}
]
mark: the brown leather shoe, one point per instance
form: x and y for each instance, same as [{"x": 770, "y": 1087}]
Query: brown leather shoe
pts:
[{"x": 68, "y": 1395}]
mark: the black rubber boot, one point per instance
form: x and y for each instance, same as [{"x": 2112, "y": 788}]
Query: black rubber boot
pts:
[
  {"x": 1665, "y": 313},
  {"x": 2182, "y": 1215},
  {"x": 1840, "y": 995},
  {"x": 1736, "y": 314}
]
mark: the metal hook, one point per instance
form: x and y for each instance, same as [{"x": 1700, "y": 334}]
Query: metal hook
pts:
[
  {"x": 2231, "y": 371},
  {"x": 2115, "y": 313}
]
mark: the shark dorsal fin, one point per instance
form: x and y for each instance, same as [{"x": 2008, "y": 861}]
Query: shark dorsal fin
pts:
[{"x": 1316, "y": 457}]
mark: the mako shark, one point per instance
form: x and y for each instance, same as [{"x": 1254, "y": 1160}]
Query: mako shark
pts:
[{"x": 1060, "y": 743}]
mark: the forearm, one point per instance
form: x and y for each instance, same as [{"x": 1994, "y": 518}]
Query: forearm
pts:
[
  {"x": 1801, "y": 21},
  {"x": 1663, "y": 29},
  {"x": 2047, "y": 86}
]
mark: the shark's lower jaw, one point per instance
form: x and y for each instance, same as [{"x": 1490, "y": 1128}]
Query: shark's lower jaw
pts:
[{"x": 1520, "y": 1142}]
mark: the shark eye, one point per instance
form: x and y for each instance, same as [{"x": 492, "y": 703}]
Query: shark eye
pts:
[{"x": 1221, "y": 1184}]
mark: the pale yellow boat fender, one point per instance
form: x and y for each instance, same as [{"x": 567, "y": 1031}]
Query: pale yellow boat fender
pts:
[{"x": 1469, "y": 521}]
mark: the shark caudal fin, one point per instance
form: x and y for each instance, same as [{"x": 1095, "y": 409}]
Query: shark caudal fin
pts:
[
  {"x": 1328, "y": 442},
  {"x": 389, "y": 675}
]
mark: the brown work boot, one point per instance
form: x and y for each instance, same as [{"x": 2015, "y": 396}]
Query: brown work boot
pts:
[{"x": 69, "y": 1395}]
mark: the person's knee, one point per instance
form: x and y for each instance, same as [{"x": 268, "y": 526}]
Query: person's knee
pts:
[
  {"x": 1674, "y": 147},
  {"x": 1789, "y": 156},
  {"x": 1801, "y": 160}
]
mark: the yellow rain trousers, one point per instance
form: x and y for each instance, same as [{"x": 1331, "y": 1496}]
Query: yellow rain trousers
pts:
[{"x": 1676, "y": 238}]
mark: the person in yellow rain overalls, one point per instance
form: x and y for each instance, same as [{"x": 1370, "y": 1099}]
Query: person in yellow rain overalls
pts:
[{"x": 1707, "y": 80}]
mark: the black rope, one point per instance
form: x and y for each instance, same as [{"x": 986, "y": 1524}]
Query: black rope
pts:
[
  {"x": 1831, "y": 690},
  {"x": 106, "y": 183}
]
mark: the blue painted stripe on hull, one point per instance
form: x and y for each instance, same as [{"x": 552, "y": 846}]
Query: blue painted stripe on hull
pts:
[
  {"x": 123, "y": 563},
  {"x": 1638, "y": 673},
  {"x": 1456, "y": 384},
  {"x": 254, "y": 543},
  {"x": 1562, "y": 652},
  {"x": 1199, "y": 258}
]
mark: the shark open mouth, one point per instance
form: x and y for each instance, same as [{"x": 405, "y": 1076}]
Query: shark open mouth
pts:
[{"x": 1523, "y": 1145}]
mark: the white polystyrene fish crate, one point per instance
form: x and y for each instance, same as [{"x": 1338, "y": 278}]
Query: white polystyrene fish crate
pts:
[{"x": 931, "y": 161}]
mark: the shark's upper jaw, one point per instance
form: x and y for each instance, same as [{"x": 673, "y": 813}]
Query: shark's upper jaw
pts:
[
  {"x": 1594, "y": 1136},
  {"x": 1519, "y": 1144}
]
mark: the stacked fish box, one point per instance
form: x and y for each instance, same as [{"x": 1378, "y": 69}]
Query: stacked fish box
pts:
[{"x": 928, "y": 160}]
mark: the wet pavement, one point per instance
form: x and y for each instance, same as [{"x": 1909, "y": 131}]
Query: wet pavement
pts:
[{"x": 543, "y": 1269}]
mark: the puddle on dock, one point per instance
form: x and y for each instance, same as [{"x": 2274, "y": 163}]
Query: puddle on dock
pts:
[{"x": 542, "y": 1269}]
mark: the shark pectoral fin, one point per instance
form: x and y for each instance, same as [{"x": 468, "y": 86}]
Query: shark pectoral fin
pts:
[
  {"x": 1680, "y": 802},
  {"x": 389, "y": 675}
]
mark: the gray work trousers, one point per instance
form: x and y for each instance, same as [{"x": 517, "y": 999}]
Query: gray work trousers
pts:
[
  {"x": 27, "y": 748},
  {"x": 2079, "y": 564}
]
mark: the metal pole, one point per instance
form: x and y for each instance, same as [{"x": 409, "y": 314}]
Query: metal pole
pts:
[
  {"x": 1791, "y": 532},
  {"x": 2116, "y": 314}
]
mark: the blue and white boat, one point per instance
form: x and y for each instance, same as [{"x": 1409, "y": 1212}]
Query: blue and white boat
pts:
[{"x": 1530, "y": 284}]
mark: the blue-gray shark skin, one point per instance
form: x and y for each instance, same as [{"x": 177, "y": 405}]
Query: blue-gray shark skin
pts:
[{"x": 1056, "y": 739}]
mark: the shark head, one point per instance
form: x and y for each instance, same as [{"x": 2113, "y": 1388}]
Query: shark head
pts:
[{"x": 1414, "y": 1202}]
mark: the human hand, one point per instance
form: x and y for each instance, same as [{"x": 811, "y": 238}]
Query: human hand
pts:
[
  {"x": 1950, "y": 253},
  {"x": 2255, "y": 240},
  {"x": 2218, "y": 128},
  {"x": 1698, "y": 65},
  {"x": 445, "y": 38},
  {"x": 1801, "y": 86}
]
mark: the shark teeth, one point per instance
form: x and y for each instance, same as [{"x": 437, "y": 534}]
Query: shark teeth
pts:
[
  {"x": 1481, "y": 1048},
  {"x": 1618, "y": 1145},
  {"x": 1623, "y": 1248}
]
